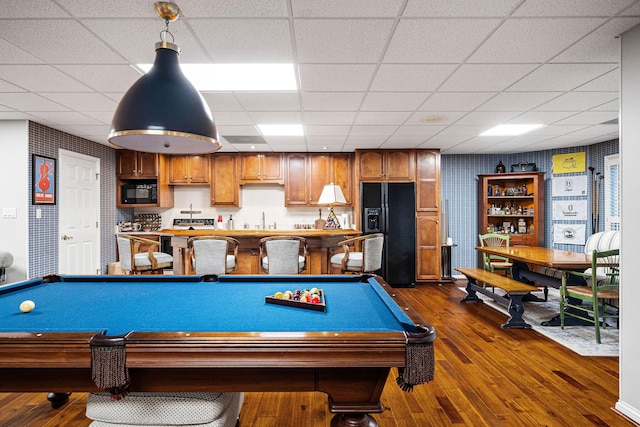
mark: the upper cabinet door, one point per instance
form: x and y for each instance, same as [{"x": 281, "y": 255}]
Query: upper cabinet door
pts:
[
  {"x": 136, "y": 164},
  {"x": 189, "y": 169},
  {"x": 386, "y": 165},
  {"x": 295, "y": 187},
  {"x": 261, "y": 168},
  {"x": 428, "y": 180},
  {"x": 225, "y": 190}
]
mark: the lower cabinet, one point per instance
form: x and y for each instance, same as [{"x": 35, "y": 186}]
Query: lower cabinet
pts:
[{"x": 428, "y": 248}]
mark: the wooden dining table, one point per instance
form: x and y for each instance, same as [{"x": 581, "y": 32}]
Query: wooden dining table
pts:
[{"x": 525, "y": 257}]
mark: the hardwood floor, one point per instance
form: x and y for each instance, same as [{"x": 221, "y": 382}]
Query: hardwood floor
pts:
[{"x": 485, "y": 376}]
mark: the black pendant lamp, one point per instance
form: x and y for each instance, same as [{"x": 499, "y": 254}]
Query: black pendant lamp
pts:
[{"x": 163, "y": 112}]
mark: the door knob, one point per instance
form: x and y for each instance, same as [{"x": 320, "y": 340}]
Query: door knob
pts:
[{"x": 65, "y": 237}]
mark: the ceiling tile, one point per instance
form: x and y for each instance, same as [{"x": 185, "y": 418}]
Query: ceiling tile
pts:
[
  {"x": 460, "y": 8},
  {"x": 237, "y": 130},
  {"x": 40, "y": 78},
  {"x": 14, "y": 55},
  {"x": 245, "y": 41},
  {"x": 487, "y": 118},
  {"x": 332, "y": 40},
  {"x": 349, "y": 9},
  {"x": 103, "y": 78},
  {"x": 29, "y": 9},
  {"x": 517, "y": 101},
  {"x": 340, "y": 118},
  {"x": 327, "y": 130},
  {"x": 578, "y": 101},
  {"x": 427, "y": 118},
  {"x": 417, "y": 131},
  {"x": 222, "y": 101},
  {"x": 332, "y": 101},
  {"x": 275, "y": 117},
  {"x": 532, "y": 40},
  {"x": 602, "y": 45},
  {"x": 607, "y": 83},
  {"x": 268, "y": 101},
  {"x": 66, "y": 118},
  {"x": 83, "y": 101},
  {"x": 42, "y": 38},
  {"x": 561, "y": 77},
  {"x": 571, "y": 8},
  {"x": 372, "y": 131},
  {"x": 233, "y": 118},
  {"x": 455, "y": 101},
  {"x": 589, "y": 117},
  {"x": 485, "y": 77},
  {"x": 335, "y": 78},
  {"x": 437, "y": 40},
  {"x": 541, "y": 117},
  {"x": 390, "y": 101},
  {"x": 410, "y": 77},
  {"x": 29, "y": 102},
  {"x": 381, "y": 118}
]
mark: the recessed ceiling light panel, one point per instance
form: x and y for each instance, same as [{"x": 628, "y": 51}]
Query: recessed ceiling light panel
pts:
[
  {"x": 510, "y": 130},
  {"x": 281, "y": 130}
]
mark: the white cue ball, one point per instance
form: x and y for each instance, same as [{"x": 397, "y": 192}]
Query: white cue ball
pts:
[{"x": 27, "y": 305}]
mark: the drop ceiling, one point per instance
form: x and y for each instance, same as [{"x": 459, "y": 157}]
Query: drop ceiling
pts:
[{"x": 371, "y": 74}]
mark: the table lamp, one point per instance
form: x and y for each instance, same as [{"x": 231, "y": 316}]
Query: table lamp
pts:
[{"x": 332, "y": 195}]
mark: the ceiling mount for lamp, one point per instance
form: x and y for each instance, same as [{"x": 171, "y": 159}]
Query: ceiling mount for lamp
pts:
[{"x": 163, "y": 112}]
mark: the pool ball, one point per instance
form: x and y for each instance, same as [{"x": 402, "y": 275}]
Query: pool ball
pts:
[{"x": 27, "y": 305}]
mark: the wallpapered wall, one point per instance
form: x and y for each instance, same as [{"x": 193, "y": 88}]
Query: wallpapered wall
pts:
[
  {"x": 460, "y": 192},
  {"x": 43, "y": 232}
]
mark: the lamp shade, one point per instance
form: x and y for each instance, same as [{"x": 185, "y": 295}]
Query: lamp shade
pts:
[
  {"x": 163, "y": 112},
  {"x": 331, "y": 195}
]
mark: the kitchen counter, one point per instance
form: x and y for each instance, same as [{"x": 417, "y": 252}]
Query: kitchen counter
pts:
[
  {"x": 259, "y": 233},
  {"x": 322, "y": 244}
]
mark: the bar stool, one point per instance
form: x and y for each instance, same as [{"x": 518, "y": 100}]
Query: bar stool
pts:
[{"x": 283, "y": 254}]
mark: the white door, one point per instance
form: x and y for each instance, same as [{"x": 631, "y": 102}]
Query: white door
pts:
[{"x": 79, "y": 207}]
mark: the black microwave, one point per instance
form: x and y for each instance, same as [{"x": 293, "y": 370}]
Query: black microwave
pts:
[{"x": 139, "y": 193}]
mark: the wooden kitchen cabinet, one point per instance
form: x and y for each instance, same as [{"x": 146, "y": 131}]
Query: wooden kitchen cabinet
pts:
[
  {"x": 428, "y": 227},
  {"x": 165, "y": 191},
  {"x": 189, "y": 169},
  {"x": 386, "y": 165},
  {"x": 308, "y": 173},
  {"x": 427, "y": 180},
  {"x": 261, "y": 168},
  {"x": 428, "y": 248},
  {"x": 225, "y": 189},
  {"x": 136, "y": 164}
]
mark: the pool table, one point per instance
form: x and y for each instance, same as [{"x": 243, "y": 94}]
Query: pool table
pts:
[{"x": 218, "y": 333}]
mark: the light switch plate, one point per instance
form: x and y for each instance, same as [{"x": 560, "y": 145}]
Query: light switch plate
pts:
[{"x": 9, "y": 213}]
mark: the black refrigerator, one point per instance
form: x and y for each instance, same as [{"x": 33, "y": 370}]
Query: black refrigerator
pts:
[{"x": 390, "y": 208}]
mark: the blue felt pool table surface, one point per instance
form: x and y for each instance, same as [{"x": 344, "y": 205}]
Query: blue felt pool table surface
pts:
[{"x": 120, "y": 304}]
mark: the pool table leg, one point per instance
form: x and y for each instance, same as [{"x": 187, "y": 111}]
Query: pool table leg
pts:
[
  {"x": 58, "y": 399},
  {"x": 353, "y": 420}
]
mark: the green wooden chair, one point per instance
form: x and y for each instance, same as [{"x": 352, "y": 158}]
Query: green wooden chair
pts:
[
  {"x": 593, "y": 302},
  {"x": 491, "y": 262}
]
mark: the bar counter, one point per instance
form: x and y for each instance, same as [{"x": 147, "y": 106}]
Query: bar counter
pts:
[{"x": 322, "y": 244}]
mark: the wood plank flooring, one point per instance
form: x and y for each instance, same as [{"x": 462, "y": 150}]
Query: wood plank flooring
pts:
[{"x": 485, "y": 376}]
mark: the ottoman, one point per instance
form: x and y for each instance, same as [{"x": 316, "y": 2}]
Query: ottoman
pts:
[{"x": 165, "y": 409}]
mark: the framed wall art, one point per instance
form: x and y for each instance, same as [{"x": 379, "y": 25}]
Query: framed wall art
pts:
[{"x": 43, "y": 180}]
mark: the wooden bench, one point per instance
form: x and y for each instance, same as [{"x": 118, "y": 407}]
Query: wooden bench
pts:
[{"x": 479, "y": 280}]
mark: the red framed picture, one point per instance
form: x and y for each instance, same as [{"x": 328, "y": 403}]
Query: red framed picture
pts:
[{"x": 44, "y": 180}]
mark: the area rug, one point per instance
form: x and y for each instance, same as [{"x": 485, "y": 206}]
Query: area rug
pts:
[{"x": 579, "y": 339}]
